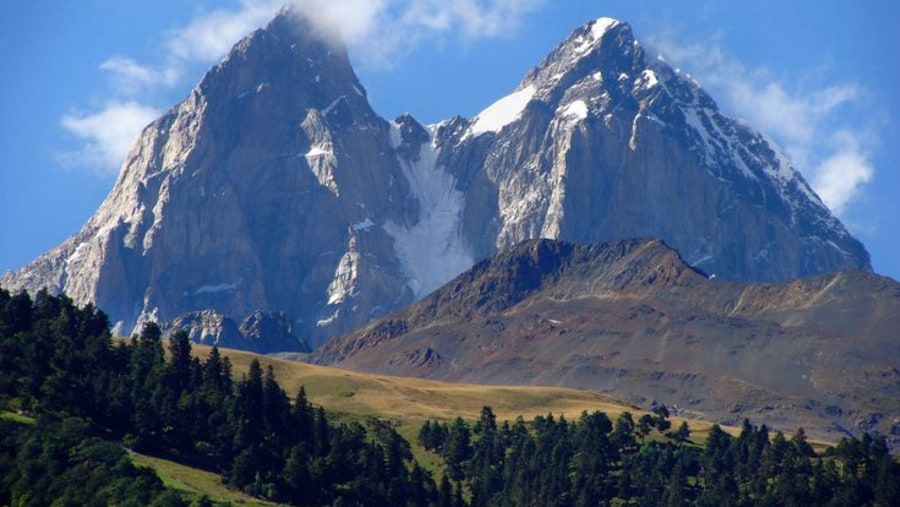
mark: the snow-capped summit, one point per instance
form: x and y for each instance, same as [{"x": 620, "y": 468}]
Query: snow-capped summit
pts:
[
  {"x": 275, "y": 187},
  {"x": 600, "y": 141}
]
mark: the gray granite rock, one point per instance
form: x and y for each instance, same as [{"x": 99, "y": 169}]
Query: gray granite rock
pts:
[{"x": 275, "y": 187}]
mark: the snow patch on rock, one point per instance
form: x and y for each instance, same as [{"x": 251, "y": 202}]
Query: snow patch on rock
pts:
[
  {"x": 364, "y": 225},
  {"x": 318, "y": 151},
  {"x": 648, "y": 79},
  {"x": 602, "y": 25},
  {"x": 432, "y": 250},
  {"x": 503, "y": 112},
  {"x": 599, "y": 27},
  {"x": 343, "y": 285},
  {"x": 577, "y": 109},
  {"x": 716, "y": 146}
]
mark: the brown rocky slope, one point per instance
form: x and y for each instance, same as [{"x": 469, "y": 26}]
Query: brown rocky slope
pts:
[{"x": 631, "y": 318}]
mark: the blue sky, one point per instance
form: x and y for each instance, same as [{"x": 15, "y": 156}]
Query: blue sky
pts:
[{"x": 79, "y": 79}]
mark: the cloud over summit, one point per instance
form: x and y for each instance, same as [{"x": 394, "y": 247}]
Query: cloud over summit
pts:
[{"x": 378, "y": 32}]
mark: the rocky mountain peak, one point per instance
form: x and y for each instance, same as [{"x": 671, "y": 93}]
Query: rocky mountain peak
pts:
[
  {"x": 603, "y": 50},
  {"x": 293, "y": 61},
  {"x": 411, "y": 135},
  {"x": 275, "y": 187},
  {"x": 598, "y": 113}
]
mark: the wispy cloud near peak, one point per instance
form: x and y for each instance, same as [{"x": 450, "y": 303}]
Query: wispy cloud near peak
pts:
[
  {"x": 130, "y": 77},
  {"x": 107, "y": 135},
  {"x": 824, "y": 145}
]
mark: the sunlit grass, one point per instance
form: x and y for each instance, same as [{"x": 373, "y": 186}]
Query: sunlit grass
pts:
[
  {"x": 409, "y": 402},
  {"x": 17, "y": 417},
  {"x": 194, "y": 481}
]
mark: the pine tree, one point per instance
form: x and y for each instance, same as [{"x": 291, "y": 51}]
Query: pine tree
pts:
[
  {"x": 179, "y": 367},
  {"x": 682, "y": 434},
  {"x": 623, "y": 433},
  {"x": 445, "y": 492},
  {"x": 458, "y": 448},
  {"x": 302, "y": 418}
]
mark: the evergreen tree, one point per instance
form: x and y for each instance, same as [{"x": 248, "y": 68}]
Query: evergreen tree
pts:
[
  {"x": 623, "y": 433},
  {"x": 445, "y": 493},
  {"x": 645, "y": 425},
  {"x": 458, "y": 448},
  {"x": 682, "y": 434},
  {"x": 179, "y": 368}
]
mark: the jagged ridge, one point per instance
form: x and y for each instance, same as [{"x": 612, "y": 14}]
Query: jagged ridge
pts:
[{"x": 275, "y": 187}]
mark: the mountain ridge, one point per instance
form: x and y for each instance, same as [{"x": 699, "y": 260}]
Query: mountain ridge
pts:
[
  {"x": 632, "y": 318},
  {"x": 275, "y": 187}
]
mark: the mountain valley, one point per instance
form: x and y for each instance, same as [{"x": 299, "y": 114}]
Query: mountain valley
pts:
[{"x": 274, "y": 211}]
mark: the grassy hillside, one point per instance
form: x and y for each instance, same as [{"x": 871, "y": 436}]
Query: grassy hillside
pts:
[
  {"x": 71, "y": 400},
  {"x": 195, "y": 482},
  {"x": 409, "y": 402}
]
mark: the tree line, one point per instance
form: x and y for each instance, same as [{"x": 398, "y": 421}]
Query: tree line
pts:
[
  {"x": 87, "y": 398},
  {"x": 594, "y": 461}
]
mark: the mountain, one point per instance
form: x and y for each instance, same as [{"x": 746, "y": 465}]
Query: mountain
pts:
[
  {"x": 600, "y": 142},
  {"x": 633, "y": 318},
  {"x": 256, "y": 193},
  {"x": 275, "y": 187}
]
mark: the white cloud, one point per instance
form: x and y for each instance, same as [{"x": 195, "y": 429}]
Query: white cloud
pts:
[
  {"x": 801, "y": 120},
  {"x": 107, "y": 135},
  {"x": 379, "y": 32},
  {"x": 839, "y": 177},
  {"x": 209, "y": 37},
  {"x": 475, "y": 19},
  {"x": 131, "y": 77}
]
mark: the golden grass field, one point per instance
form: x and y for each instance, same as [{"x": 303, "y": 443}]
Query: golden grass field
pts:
[{"x": 408, "y": 402}]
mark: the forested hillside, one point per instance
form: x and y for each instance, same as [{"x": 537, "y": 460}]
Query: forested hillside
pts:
[
  {"x": 60, "y": 365},
  {"x": 72, "y": 401}
]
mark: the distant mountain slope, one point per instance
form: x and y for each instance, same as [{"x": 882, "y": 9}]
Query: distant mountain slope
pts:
[
  {"x": 631, "y": 318},
  {"x": 275, "y": 187}
]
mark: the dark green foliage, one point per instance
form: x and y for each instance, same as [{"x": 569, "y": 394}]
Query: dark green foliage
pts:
[
  {"x": 682, "y": 434},
  {"x": 60, "y": 364},
  {"x": 63, "y": 463},
  {"x": 592, "y": 461}
]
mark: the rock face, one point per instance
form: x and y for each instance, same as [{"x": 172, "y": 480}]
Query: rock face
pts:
[
  {"x": 260, "y": 332},
  {"x": 633, "y": 319},
  {"x": 258, "y": 192},
  {"x": 275, "y": 187},
  {"x": 599, "y": 143}
]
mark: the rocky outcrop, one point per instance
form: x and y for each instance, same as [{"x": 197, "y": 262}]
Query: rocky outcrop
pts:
[
  {"x": 274, "y": 187},
  {"x": 260, "y": 332}
]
